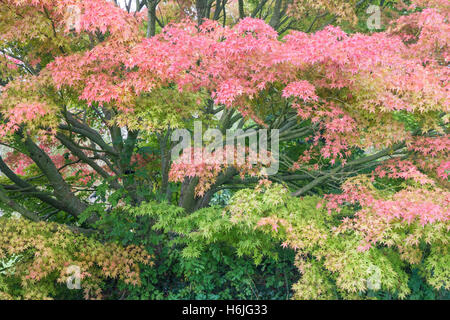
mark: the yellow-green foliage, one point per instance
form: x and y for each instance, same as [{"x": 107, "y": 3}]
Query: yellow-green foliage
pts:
[
  {"x": 164, "y": 107},
  {"x": 203, "y": 227},
  {"x": 41, "y": 254},
  {"x": 331, "y": 263}
]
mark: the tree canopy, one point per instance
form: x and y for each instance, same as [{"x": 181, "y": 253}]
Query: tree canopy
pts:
[{"x": 92, "y": 92}]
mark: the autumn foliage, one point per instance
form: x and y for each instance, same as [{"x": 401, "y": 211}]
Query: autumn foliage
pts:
[{"x": 90, "y": 94}]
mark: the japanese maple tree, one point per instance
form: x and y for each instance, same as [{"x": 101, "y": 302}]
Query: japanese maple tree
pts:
[{"x": 91, "y": 94}]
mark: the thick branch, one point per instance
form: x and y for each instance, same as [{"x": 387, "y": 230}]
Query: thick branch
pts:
[
  {"x": 351, "y": 164},
  {"x": 48, "y": 168},
  {"x": 82, "y": 156},
  {"x": 27, "y": 188}
]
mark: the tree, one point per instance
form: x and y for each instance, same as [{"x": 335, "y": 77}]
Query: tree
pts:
[{"x": 92, "y": 95}]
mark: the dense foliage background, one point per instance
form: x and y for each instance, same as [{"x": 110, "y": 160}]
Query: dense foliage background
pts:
[{"x": 92, "y": 91}]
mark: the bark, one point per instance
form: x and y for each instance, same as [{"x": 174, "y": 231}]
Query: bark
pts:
[
  {"x": 187, "y": 194},
  {"x": 276, "y": 15},
  {"x": 61, "y": 189},
  {"x": 241, "y": 9},
  {"x": 351, "y": 164},
  {"x": 151, "y": 13},
  {"x": 69, "y": 144},
  {"x": 201, "y": 7},
  {"x": 16, "y": 207},
  {"x": 28, "y": 188}
]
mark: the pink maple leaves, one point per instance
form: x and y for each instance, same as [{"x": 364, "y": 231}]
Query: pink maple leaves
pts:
[
  {"x": 206, "y": 166},
  {"x": 236, "y": 64},
  {"x": 23, "y": 112},
  {"x": 300, "y": 89},
  {"x": 433, "y": 154},
  {"x": 379, "y": 213},
  {"x": 401, "y": 169}
]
